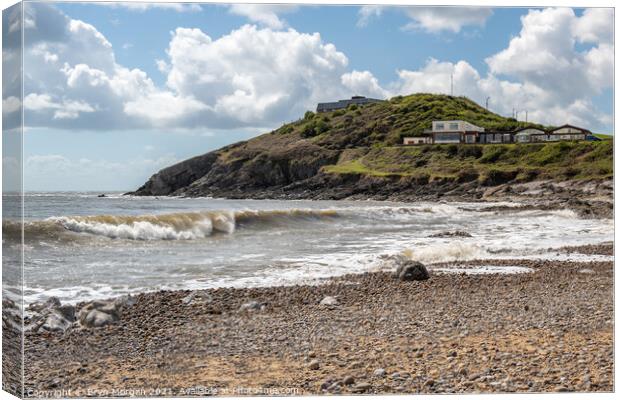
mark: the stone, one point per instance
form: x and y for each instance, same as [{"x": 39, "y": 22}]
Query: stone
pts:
[
  {"x": 379, "y": 372},
  {"x": 348, "y": 380},
  {"x": 99, "y": 313},
  {"x": 197, "y": 298},
  {"x": 411, "y": 271},
  {"x": 329, "y": 301},
  {"x": 361, "y": 387},
  {"x": 586, "y": 271},
  {"x": 314, "y": 365},
  {"x": 252, "y": 306},
  {"x": 51, "y": 316}
]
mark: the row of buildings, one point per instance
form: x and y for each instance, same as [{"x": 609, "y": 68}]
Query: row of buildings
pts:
[
  {"x": 465, "y": 132},
  {"x": 342, "y": 104}
]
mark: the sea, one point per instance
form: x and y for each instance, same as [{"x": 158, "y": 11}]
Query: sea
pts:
[{"x": 79, "y": 246}]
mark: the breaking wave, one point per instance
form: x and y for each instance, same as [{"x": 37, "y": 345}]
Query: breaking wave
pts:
[{"x": 177, "y": 226}]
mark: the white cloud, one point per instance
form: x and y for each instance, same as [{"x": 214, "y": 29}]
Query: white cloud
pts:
[
  {"x": 263, "y": 76},
  {"x": 141, "y": 7},
  {"x": 66, "y": 109},
  {"x": 264, "y": 14},
  {"x": 431, "y": 19},
  {"x": 363, "y": 82},
  {"x": 595, "y": 26},
  {"x": 252, "y": 75},
  {"x": 11, "y": 104},
  {"x": 452, "y": 19},
  {"x": 58, "y": 172},
  {"x": 540, "y": 71},
  {"x": 366, "y": 13}
]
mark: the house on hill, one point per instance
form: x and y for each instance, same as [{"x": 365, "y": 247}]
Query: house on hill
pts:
[
  {"x": 455, "y": 132},
  {"x": 464, "y": 132},
  {"x": 529, "y": 135},
  {"x": 568, "y": 132},
  {"x": 342, "y": 104}
]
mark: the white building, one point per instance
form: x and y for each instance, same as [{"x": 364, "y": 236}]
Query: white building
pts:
[{"x": 456, "y": 131}]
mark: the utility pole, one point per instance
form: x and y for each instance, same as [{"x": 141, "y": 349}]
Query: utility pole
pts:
[
  {"x": 525, "y": 115},
  {"x": 487, "y": 102},
  {"x": 451, "y": 84}
]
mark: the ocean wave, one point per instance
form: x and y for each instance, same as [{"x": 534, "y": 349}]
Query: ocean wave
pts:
[{"x": 177, "y": 226}]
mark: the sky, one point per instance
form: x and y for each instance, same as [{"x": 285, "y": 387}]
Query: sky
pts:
[{"x": 114, "y": 92}]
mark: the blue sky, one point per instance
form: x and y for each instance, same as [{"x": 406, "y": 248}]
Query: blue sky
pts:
[{"x": 112, "y": 93}]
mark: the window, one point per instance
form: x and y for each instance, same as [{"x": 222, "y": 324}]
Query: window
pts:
[
  {"x": 448, "y": 138},
  {"x": 454, "y": 126},
  {"x": 439, "y": 127}
]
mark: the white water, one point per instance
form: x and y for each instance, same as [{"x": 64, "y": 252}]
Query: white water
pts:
[{"x": 80, "y": 246}]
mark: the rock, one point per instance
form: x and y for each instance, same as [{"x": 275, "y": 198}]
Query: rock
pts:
[
  {"x": 314, "y": 365},
  {"x": 51, "y": 316},
  {"x": 586, "y": 271},
  {"x": 99, "y": 313},
  {"x": 348, "y": 380},
  {"x": 379, "y": 372},
  {"x": 311, "y": 354},
  {"x": 197, "y": 298},
  {"x": 125, "y": 301},
  {"x": 329, "y": 301},
  {"x": 252, "y": 306},
  {"x": 361, "y": 387},
  {"x": 429, "y": 382},
  {"x": 411, "y": 271},
  {"x": 450, "y": 234}
]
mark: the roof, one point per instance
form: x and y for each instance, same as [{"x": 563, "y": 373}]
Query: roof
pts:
[
  {"x": 570, "y": 126},
  {"x": 530, "y": 127}
]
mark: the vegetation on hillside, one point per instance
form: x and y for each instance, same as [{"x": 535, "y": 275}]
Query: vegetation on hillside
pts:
[
  {"x": 489, "y": 164},
  {"x": 380, "y": 124}
]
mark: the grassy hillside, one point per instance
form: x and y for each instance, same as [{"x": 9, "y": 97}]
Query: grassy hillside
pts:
[
  {"x": 312, "y": 153},
  {"x": 386, "y": 123},
  {"x": 487, "y": 163}
]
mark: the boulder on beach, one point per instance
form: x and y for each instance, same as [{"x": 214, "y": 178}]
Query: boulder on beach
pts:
[
  {"x": 101, "y": 313},
  {"x": 411, "y": 271},
  {"x": 51, "y": 316}
]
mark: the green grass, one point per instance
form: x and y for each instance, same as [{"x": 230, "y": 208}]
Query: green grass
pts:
[
  {"x": 604, "y": 136},
  {"x": 524, "y": 162}
]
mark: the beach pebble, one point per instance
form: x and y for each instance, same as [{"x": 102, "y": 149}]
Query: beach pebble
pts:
[
  {"x": 361, "y": 387},
  {"x": 586, "y": 271},
  {"x": 379, "y": 372},
  {"x": 348, "y": 380},
  {"x": 329, "y": 301},
  {"x": 252, "y": 306},
  {"x": 314, "y": 365}
]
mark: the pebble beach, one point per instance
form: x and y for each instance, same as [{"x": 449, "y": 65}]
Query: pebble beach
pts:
[{"x": 548, "y": 330}]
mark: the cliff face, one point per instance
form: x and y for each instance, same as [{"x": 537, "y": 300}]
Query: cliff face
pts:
[{"x": 354, "y": 153}]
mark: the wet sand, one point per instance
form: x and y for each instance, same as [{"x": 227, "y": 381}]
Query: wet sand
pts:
[{"x": 548, "y": 330}]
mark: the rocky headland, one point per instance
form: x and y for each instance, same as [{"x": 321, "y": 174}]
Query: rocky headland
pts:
[{"x": 356, "y": 154}]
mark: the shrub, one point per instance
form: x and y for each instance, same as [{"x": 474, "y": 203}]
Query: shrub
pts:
[
  {"x": 494, "y": 177},
  {"x": 308, "y": 115},
  {"x": 452, "y": 149},
  {"x": 470, "y": 151},
  {"x": 492, "y": 154}
]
